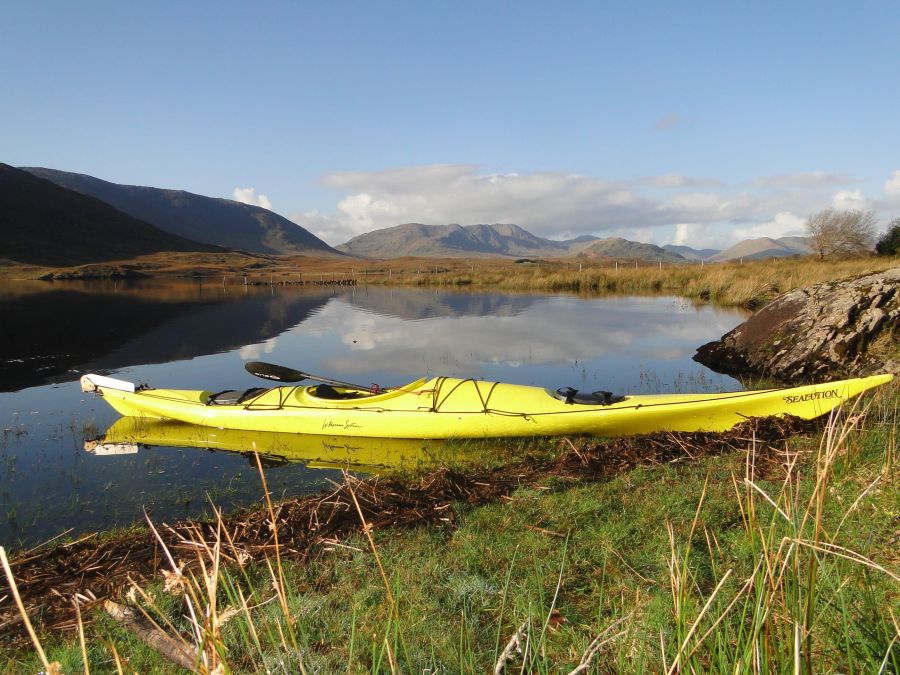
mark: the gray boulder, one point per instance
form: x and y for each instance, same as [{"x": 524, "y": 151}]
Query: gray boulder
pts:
[{"x": 838, "y": 328}]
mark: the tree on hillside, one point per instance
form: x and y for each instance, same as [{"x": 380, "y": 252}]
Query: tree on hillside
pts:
[
  {"x": 889, "y": 244},
  {"x": 841, "y": 233}
]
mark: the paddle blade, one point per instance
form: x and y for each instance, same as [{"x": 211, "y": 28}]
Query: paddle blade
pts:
[{"x": 270, "y": 371}]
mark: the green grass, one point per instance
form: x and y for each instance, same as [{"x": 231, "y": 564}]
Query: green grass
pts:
[{"x": 731, "y": 563}]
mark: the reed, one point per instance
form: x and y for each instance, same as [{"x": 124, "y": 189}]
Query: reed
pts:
[
  {"x": 792, "y": 613},
  {"x": 747, "y": 284}
]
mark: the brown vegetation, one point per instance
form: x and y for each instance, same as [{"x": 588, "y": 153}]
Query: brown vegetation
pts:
[{"x": 748, "y": 284}]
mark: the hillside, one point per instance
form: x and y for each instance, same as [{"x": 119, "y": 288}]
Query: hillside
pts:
[
  {"x": 763, "y": 247},
  {"x": 692, "y": 254},
  {"x": 616, "y": 247},
  {"x": 42, "y": 223},
  {"x": 451, "y": 241},
  {"x": 221, "y": 222}
]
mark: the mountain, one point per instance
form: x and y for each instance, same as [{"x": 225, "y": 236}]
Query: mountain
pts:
[
  {"x": 42, "y": 223},
  {"x": 578, "y": 244},
  {"x": 764, "y": 247},
  {"x": 692, "y": 254},
  {"x": 800, "y": 244},
  {"x": 451, "y": 241},
  {"x": 616, "y": 247},
  {"x": 454, "y": 241},
  {"x": 221, "y": 222}
]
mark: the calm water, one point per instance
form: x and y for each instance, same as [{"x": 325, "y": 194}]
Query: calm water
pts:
[{"x": 190, "y": 335}]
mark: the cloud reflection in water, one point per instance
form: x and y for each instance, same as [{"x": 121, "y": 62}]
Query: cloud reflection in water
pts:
[{"x": 517, "y": 338}]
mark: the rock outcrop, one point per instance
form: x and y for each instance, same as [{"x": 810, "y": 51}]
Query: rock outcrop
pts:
[{"x": 838, "y": 328}]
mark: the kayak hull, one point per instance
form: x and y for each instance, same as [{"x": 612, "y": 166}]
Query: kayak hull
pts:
[{"x": 452, "y": 408}]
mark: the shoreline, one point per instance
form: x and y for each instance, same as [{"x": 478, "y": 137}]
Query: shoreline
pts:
[{"x": 749, "y": 285}]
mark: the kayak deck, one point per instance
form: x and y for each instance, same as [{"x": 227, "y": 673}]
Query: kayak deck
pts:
[{"x": 444, "y": 407}]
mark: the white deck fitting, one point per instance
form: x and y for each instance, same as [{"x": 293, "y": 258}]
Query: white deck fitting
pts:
[{"x": 93, "y": 382}]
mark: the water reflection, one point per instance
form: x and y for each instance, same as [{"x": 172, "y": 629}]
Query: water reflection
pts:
[
  {"x": 367, "y": 455},
  {"x": 62, "y": 330},
  {"x": 622, "y": 342},
  {"x": 413, "y": 305},
  {"x": 187, "y": 335}
]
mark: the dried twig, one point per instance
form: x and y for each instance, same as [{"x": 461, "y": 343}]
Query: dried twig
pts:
[
  {"x": 598, "y": 643},
  {"x": 173, "y": 649},
  {"x": 513, "y": 647}
]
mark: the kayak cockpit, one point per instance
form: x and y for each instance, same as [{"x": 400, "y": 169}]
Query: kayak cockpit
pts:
[
  {"x": 328, "y": 392},
  {"x": 234, "y": 397},
  {"x": 328, "y": 395}
]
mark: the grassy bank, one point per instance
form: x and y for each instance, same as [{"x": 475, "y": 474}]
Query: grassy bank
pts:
[
  {"x": 778, "y": 557},
  {"x": 747, "y": 284}
]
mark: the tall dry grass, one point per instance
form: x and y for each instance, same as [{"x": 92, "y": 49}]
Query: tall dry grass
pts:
[
  {"x": 749, "y": 284},
  {"x": 771, "y": 622}
]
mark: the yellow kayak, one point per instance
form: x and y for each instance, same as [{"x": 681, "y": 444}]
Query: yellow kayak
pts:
[
  {"x": 444, "y": 407},
  {"x": 369, "y": 455}
]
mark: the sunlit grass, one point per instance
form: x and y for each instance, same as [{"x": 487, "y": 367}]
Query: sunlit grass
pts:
[{"x": 747, "y": 284}]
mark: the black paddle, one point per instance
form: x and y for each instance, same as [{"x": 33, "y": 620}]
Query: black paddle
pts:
[{"x": 270, "y": 371}]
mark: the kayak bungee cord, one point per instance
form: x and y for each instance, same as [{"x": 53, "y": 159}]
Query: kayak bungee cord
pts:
[{"x": 436, "y": 403}]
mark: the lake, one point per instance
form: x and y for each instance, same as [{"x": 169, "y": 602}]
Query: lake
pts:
[{"x": 67, "y": 465}]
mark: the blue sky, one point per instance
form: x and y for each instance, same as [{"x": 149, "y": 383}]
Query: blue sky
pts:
[{"x": 696, "y": 123}]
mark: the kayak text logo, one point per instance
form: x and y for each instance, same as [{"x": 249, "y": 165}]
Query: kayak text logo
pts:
[
  {"x": 346, "y": 426},
  {"x": 813, "y": 396}
]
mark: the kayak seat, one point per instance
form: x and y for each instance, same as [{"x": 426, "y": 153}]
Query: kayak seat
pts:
[
  {"x": 232, "y": 397},
  {"x": 329, "y": 392},
  {"x": 572, "y": 396}
]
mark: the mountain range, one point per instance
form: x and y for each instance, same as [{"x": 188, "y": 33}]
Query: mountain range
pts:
[
  {"x": 450, "y": 241},
  {"x": 692, "y": 254},
  {"x": 53, "y": 217},
  {"x": 209, "y": 220},
  {"x": 466, "y": 241}
]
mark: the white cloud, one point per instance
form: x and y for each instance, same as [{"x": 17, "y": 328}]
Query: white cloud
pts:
[
  {"x": 254, "y": 351},
  {"x": 698, "y": 212},
  {"x": 688, "y": 234},
  {"x": 892, "y": 188},
  {"x": 784, "y": 224},
  {"x": 249, "y": 196},
  {"x": 844, "y": 200}
]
